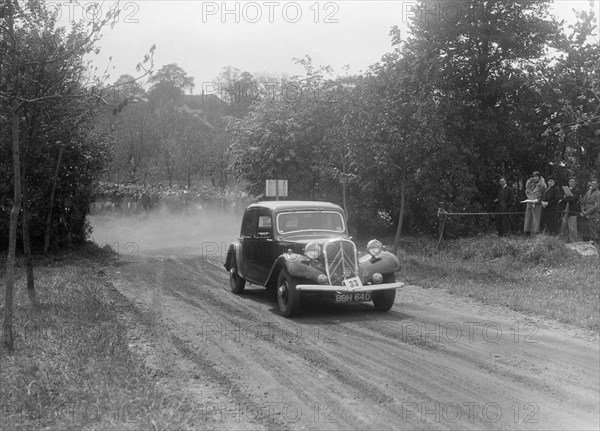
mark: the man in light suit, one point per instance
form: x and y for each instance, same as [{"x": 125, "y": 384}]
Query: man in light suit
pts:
[
  {"x": 590, "y": 211},
  {"x": 534, "y": 188}
]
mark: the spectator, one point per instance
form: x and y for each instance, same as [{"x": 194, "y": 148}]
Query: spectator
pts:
[
  {"x": 590, "y": 211},
  {"x": 550, "y": 199},
  {"x": 146, "y": 201},
  {"x": 534, "y": 188},
  {"x": 571, "y": 209},
  {"x": 505, "y": 199}
]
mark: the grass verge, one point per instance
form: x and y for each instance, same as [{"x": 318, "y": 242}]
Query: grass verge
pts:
[
  {"x": 72, "y": 367},
  {"x": 536, "y": 275}
]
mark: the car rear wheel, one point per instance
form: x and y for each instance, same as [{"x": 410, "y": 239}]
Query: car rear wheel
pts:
[
  {"x": 236, "y": 282},
  {"x": 384, "y": 299},
  {"x": 288, "y": 298}
]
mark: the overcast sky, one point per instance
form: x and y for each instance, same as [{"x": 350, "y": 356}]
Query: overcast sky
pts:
[{"x": 262, "y": 36}]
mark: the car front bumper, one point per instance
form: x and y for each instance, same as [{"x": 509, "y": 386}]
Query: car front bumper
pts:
[{"x": 364, "y": 288}]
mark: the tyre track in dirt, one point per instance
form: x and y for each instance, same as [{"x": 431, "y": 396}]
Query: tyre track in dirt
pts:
[
  {"x": 518, "y": 362},
  {"x": 273, "y": 374},
  {"x": 234, "y": 349},
  {"x": 349, "y": 367}
]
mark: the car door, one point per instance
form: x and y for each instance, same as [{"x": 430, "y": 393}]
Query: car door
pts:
[
  {"x": 257, "y": 244},
  {"x": 246, "y": 239},
  {"x": 264, "y": 244}
]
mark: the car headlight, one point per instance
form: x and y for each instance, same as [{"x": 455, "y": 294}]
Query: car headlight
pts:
[
  {"x": 374, "y": 247},
  {"x": 312, "y": 250}
]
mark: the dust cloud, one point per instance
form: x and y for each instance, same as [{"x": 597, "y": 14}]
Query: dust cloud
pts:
[{"x": 160, "y": 233}]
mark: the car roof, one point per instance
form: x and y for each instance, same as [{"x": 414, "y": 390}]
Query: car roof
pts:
[{"x": 296, "y": 205}]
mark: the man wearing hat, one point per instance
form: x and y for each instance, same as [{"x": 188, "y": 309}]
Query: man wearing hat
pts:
[
  {"x": 505, "y": 199},
  {"x": 590, "y": 210},
  {"x": 534, "y": 188},
  {"x": 550, "y": 199}
]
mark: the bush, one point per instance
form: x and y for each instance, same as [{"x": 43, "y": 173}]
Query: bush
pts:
[{"x": 82, "y": 162}]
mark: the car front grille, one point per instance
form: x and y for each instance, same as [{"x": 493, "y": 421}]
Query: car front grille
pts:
[{"x": 340, "y": 260}]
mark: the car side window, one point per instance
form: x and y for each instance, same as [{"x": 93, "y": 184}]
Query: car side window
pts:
[
  {"x": 264, "y": 226},
  {"x": 264, "y": 223},
  {"x": 248, "y": 223}
]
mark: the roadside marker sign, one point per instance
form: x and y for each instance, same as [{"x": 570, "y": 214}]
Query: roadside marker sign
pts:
[{"x": 277, "y": 188}]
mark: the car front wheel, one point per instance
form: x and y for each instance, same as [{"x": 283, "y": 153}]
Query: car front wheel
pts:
[
  {"x": 236, "y": 282},
  {"x": 288, "y": 298},
  {"x": 383, "y": 300}
]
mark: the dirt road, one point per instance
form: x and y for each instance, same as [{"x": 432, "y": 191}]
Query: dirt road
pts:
[{"x": 434, "y": 361}]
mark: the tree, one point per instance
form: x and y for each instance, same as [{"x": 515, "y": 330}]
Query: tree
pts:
[
  {"x": 284, "y": 137},
  {"x": 471, "y": 66},
  {"x": 403, "y": 128},
  {"x": 569, "y": 100},
  {"x": 168, "y": 85},
  {"x": 167, "y": 100},
  {"x": 134, "y": 129},
  {"x": 42, "y": 73}
]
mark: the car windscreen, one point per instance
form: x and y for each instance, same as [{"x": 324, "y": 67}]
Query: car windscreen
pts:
[{"x": 299, "y": 221}]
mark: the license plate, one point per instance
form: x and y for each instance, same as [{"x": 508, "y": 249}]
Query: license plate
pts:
[
  {"x": 353, "y": 297},
  {"x": 352, "y": 283}
]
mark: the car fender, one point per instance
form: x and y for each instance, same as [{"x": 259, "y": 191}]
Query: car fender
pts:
[
  {"x": 296, "y": 265},
  {"x": 384, "y": 263},
  {"x": 234, "y": 252}
]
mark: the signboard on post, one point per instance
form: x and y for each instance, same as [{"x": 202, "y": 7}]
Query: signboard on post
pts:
[{"x": 277, "y": 188}]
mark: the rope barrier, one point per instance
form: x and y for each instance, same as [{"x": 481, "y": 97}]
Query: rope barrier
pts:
[
  {"x": 446, "y": 213},
  {"x": 442, "y": 212}
]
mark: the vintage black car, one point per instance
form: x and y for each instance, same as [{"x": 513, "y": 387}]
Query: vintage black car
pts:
[{"x": 298, "y": 248}]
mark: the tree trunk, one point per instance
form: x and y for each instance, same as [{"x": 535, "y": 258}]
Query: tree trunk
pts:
[
  {"x": 26, "y": 210},
  {"x": 52, "y": 193},
  {"x": 345, "y": 196},
  {"x": 26, "y": 237},
  {"x": 170, "y": 169},
  {"x": 12, "y": 235},
  {"x": 345, "y": 187},
  {"x": 396, "y": 245},
  {"x": 189, "y": 173}
]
